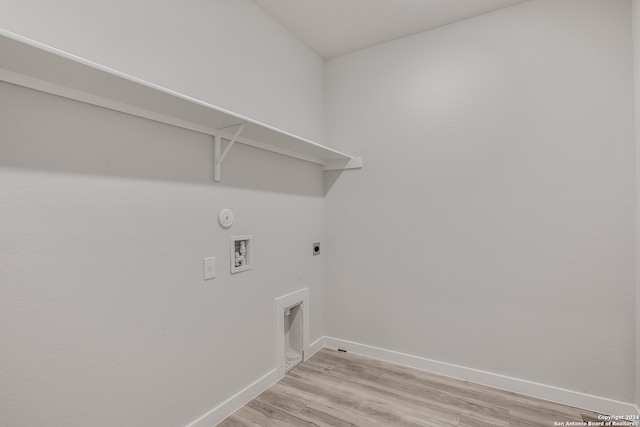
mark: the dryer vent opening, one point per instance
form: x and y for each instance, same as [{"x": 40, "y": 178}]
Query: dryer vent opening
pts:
[
  {"x": 292, "y": 329},
  {"x": 293, "y": 337}
]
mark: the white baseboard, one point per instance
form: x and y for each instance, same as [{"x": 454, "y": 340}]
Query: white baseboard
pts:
[
  {"x": 529, "y": 388},
  {"x": 315, "y": 347},
  {"x": 237, "y": 401}
]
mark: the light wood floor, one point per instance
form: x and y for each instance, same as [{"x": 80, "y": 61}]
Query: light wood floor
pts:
[{"x": 342, "y": 389}]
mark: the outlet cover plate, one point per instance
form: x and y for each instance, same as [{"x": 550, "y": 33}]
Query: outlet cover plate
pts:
[{"x": 209, "y": 268}]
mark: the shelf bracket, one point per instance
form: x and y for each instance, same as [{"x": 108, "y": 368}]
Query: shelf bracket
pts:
[{"x": 218, "y": 158}]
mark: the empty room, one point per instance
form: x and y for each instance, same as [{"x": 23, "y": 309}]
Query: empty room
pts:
[{"x": 319, "y": 213}]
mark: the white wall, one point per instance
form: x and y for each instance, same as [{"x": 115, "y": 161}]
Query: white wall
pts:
[
  {"x": 105, "y": 218},
  {"x": 105, "y": 319},
  {"x": 493, "y": 224},
  {"x": 636, "y": 74},
  {"x": 226, "y": 52}
]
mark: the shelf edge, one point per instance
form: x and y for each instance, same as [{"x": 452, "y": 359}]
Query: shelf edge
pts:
[{"x": 113, "y": 104}]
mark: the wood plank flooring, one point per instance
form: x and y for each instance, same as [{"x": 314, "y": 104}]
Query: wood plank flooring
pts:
[{"x": 342, "y": 389}]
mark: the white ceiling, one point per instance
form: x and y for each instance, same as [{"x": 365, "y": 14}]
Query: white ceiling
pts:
[{"x": 335, "y": 27}]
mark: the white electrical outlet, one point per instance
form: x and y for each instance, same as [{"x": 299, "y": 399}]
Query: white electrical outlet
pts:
[{"x": 209, "y": 268}]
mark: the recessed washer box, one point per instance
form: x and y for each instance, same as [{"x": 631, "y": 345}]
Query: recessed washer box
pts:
[{"x": 241, "y": 253}]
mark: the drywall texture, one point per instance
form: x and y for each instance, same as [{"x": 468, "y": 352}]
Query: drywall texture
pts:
[
  {"x": 226, "y": 52},
  {"x": 105, "y": 319},
  {"x": 493, "y": 224}
]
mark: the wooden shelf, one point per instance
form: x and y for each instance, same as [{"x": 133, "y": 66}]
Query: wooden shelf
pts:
[{"x": 37, "y": 66}]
